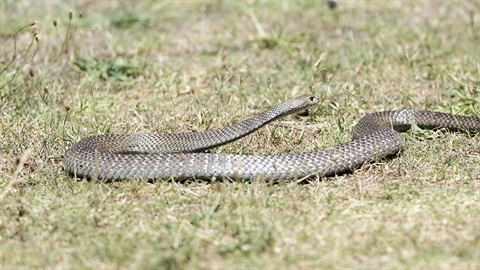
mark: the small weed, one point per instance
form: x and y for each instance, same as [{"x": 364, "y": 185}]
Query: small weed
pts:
[
  {"x": 117, "y": 68},
  {"x": 21, "y": 57},
  {"x": 127, "y": 19},
  {"x": 69, "y": 34}
]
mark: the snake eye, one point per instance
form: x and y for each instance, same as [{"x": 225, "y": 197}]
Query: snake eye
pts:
[{"x": 312, "y": 98}]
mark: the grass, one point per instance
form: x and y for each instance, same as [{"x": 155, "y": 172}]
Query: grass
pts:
[{"x": 146, "y": 67}]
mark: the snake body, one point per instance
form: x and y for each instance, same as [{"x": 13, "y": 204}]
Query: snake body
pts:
[{"x": 164, "y": 156}]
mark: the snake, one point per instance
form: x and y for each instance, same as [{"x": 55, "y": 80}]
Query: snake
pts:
[{"x": 183, "y": 156}]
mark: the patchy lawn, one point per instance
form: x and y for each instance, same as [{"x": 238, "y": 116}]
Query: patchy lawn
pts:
[{"x": 152, "y": 67}]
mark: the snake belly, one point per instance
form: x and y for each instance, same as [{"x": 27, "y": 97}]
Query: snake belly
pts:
[{"x": 178, "y": 156}]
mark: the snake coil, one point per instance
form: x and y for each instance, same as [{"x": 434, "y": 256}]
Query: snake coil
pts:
[{"x": 163, "y": 156}]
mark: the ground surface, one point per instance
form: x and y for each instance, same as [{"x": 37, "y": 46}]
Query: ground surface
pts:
[{"x": 148, "y": 66}]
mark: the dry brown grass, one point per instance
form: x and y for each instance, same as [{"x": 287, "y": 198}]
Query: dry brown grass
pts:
[{"x": 140, "y": 67}]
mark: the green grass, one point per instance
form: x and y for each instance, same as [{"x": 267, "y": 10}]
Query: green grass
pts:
[{"x": 148, "y": 66}]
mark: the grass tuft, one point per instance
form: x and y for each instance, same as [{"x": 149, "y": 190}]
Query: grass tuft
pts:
[{"x": 117, "y": 68}]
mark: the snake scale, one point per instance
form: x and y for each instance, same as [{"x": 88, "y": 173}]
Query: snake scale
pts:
[{"x": 179, "y": 156}]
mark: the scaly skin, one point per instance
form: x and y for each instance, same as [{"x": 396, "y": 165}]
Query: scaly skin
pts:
[{"x": 164, "y": 156}]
